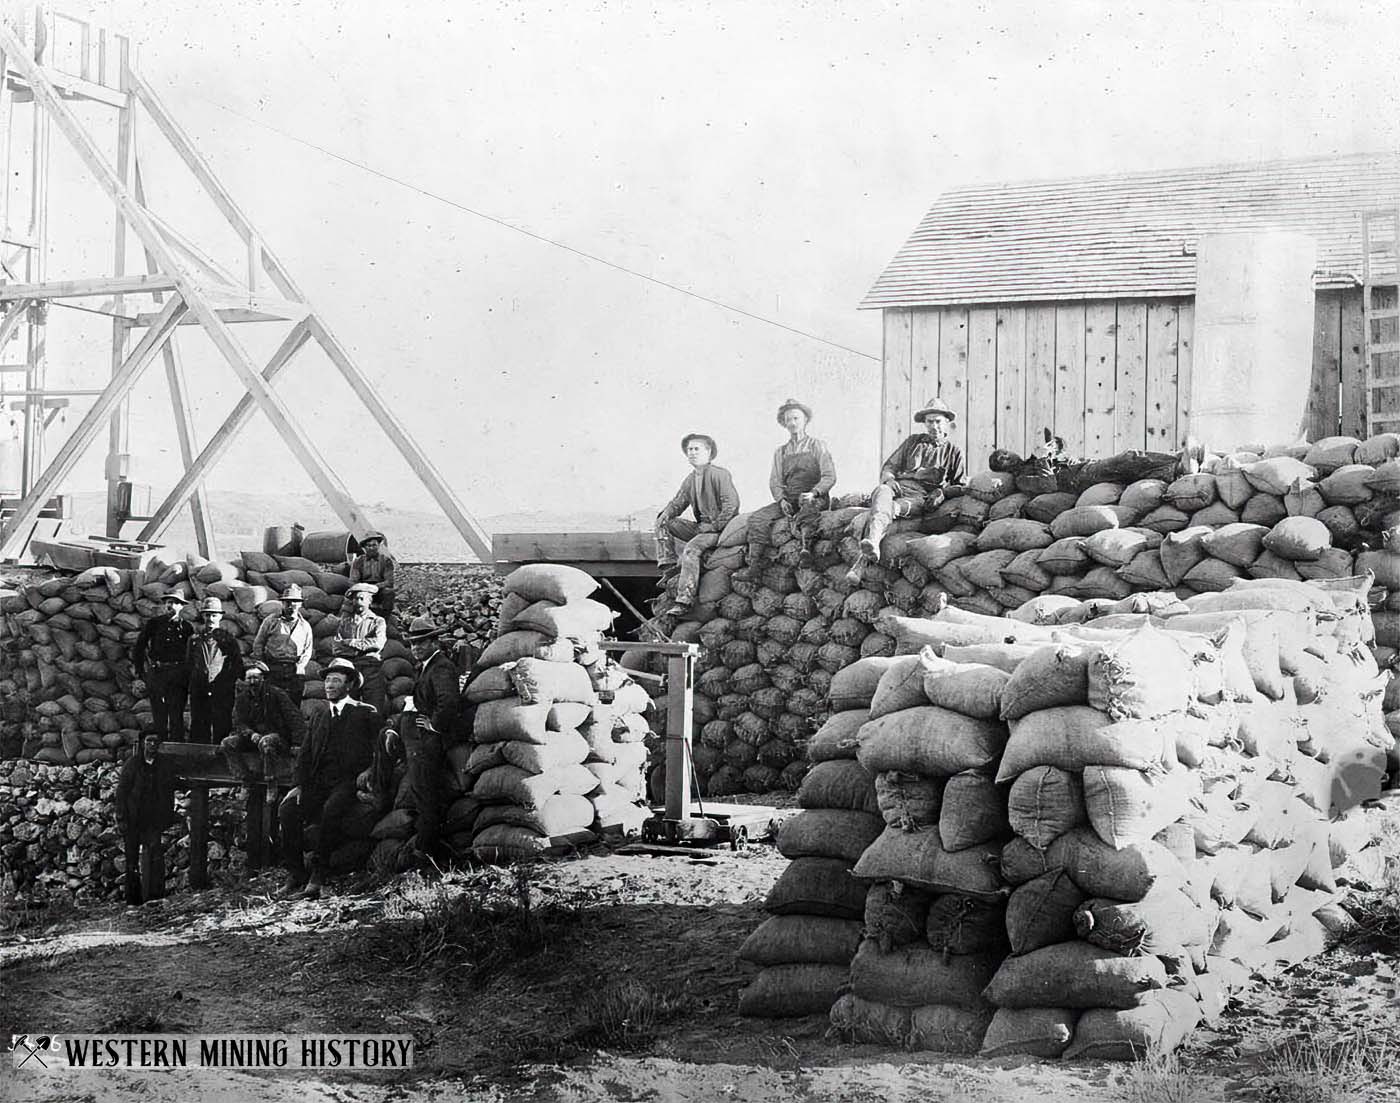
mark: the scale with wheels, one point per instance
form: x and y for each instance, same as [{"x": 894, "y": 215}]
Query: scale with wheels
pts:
[{"x": 686, "y": 821}]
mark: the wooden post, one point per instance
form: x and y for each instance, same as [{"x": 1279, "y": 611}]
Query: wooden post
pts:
[
  {"x": 680, "y": 721},
  {"x": 253, "y": 802},
  {"x": 199, "y": 836},
  {"x": 119, "y": 430},
  {"x": 36, "y": 258}
]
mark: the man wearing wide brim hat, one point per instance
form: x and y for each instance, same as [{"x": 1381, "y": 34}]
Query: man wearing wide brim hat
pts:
[
  {"x": 360, "y": 638},
  {"x": 428, "y": 727},
  {"x": 160, "y": 660},
  {"x": 215, "y": 665},
  {"x": 377, "y": 566},
  {"x": 708, "y": 492},
  {"x": 913, "y": 479},
  {"x": 286, "y": 643},
  {"x": 800, "y": 481},
  {"x": 338, "y": 748}
]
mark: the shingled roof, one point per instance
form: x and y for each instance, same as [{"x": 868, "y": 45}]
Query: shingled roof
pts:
[{"x": 1128, "y": 236}]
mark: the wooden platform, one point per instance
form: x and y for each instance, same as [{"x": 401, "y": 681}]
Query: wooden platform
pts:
[{"x": 622, "y": 554}]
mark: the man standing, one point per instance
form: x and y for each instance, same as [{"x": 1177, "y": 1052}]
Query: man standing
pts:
[
  {"x": 913, "y": 478},
  {"x": 266, "y": 721},
  {"x": 801, "y": 480},
  {"x": 144, "y": 803},
  {"x": 285, "y": 643},
  {"x": 215, "y": 664},
  {"x": 338, "y": 747},
  {"x": 430, "y": 729},
  {"x": 709, "y": 492},
  {"x": 160, "y": 660},
  {"x": 360, "y": 638},
  {"x": 375, "y": 565}
]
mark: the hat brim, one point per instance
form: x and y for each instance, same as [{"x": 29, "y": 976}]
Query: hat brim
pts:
[
  {"x": 786, "y": 406},
  {"x": 415, "y": 637},
  {"x": 176, "y": 598},
  {"x": 924, "y": 414}
]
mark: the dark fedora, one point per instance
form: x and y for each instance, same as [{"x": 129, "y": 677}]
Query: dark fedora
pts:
[{"x": 709, "y": 442}]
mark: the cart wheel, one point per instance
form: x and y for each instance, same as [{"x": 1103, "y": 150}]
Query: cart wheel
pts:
[{"x": 739, "y": 838}]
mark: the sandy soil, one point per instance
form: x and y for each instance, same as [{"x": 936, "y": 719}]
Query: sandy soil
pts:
[{"x": 649, "y": 937}]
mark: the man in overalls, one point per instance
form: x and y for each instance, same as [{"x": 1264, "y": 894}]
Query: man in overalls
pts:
[{"x": 801, "y": 480}]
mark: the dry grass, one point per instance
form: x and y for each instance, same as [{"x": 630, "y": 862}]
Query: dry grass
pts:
[
  {"x": 629, "y": 1015},
  {"x": 1355, "y": 1069},
  {"x": 1160, "y": 1078}
]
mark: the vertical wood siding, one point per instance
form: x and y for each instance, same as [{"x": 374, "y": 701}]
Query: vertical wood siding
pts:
[{"x": 1106, "y": 374}]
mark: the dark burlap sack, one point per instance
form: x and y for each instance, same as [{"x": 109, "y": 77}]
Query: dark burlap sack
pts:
[
  {"x": 1077, "y": 736},
  {"x": 792, "y": 991},
  {"x": 909, "y": 801},
  {"x": 1095, "y": 867},
  {"x": 964, "y": 925},
  {"x": 854, "y": 686},
  {"x": 917, "y": 858},
  {"x": 929, "y": 740},
  {"x": 840, "y": 784},
  {"x": 973, "y": 812},
  {"x": 896, "y": 915},
  {"x": 836, "y": 738},
  {"x": 1053, "y": 676},
  {"x": 1160, "y": 923},
  {"x": 824, "y": 833},
  {"x": 867, "y": 1021},
  {"x": 817, "y": 886},
  {"x": 972, "y": 689},
  {"x": 791, "y": 939},
  {"x": 915, "y": 976},
  {"x": 1074, "y": 974},
  {"x": 943, "y": 1029},
  {"x": 1158, "y": 1025},
  {"x": 1041, "y": 912},
  {"x": 1044, "y": 803},
  {"x": 1034, "y": 1031}
]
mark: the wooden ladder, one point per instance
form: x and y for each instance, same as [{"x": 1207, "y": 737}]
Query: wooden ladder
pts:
[{"x": 1380, "y": 305}]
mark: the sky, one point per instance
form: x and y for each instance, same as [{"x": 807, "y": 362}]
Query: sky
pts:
[{"x": 769, "y": 156}]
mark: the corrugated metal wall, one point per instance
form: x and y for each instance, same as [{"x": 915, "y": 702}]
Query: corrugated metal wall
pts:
[{"x": 1106, "y": 374}]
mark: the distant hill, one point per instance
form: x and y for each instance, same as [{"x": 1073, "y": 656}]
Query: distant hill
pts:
[{"x": 414, "y": 535}]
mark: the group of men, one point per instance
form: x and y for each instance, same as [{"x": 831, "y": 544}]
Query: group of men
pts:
[
  {"x": 913, "y": 479},
  {"x": 344, "y": 754}
]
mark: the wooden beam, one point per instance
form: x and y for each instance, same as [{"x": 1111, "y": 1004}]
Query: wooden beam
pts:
[
  {"x": 466, "y": 525},
  {"x": 118, "y": 437},
  {"x": 236, "y": 315},
  {"x": 191, "y": 294},
  {"x": 218, "y": 444},
  {"x": 571, "y": 547},
  {"x": 896, "y": 378},
  {"x": 184, "y": 424},
  {"x": 57, "y": 470},
  {"x": 73, "y": 289},
  {"x": 13, "y": 316}
]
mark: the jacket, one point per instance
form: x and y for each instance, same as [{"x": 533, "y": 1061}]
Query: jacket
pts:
[
  {"x": 268, "y": 709},
  {"x": 715, "y": 501},
  {"x": 281, "y": 641},
  {"x": 359, "y": 636},
  {"x": 921, "y": 459},
  {"x": 145, "y": 795},
  {"x": 435, "y": 693},
  {"x": 223, "y": 666},
  {"x": 337, "y": 752},
  {"x": 379, "y": 570},
  {"x": 161, "y": 640}
]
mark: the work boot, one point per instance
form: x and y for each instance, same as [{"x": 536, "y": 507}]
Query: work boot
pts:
[
  {"x": 869, "y": 549},
  {"x": 291, "y": 885},
  {"x": 677, "y": 609},
  {"x": 853, "y": 576},
  {"x": 313, "y": 888},
  {"x": 804, "y": 556}
]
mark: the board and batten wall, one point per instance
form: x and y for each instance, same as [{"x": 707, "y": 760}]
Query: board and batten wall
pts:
[{"x": 1104, "y": 374}]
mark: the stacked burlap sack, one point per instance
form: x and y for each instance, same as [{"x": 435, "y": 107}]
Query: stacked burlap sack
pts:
[
  {"x": 1183, "y": 788},
  {"x": 557, "y": 746},
  {"x": 1299, "y": 512}
]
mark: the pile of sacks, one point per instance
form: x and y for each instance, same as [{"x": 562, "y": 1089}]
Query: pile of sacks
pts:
[
  {"x": 1171, "y": 805},
  {"x": 557, "y": 747},
  {"x": 773, "y": 640}
]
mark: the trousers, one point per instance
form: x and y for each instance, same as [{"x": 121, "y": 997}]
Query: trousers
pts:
[
  {"x": 144, "y": 878},
  {"x": 169, "y": 687},
  {"x": 329, "y": 809},
  {"x": 804, "y": 520},
  {"x": 423, "y": 754},
  {"x": 687, "y": 545},
  {"x": 211, "y": 710},
  {"x": 888, "y": 502},
  {"x": 285, "y": 677}
]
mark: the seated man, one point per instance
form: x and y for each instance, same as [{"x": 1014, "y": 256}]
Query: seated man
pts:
[
  {"x": 144, "y": 804},
  {"x": 360, "y": 637},
  {"x": 339, "y": 746},
  {"x": 913, "y": 478},
  {"x": 375, "y": 565},
  {"x": 709, "y": 492},
  {"x": 801, "y": 480},
  {"x": 266, "y": 721}
]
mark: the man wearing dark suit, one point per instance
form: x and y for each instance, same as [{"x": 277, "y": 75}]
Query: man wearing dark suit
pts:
[
  {"x": 215, "y": 665},
  {"x": 161, "y": 660},
  {"x": 144, "y": 803},
  {"x": 338, "y": 747}
]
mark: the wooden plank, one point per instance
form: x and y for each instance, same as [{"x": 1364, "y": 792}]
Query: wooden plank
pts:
[
  {"x": 981, "y": 387},
  {"x": 1185, "y": 346},
  {"x": 1069, "y": 378},
  {"x": 952, "y": 373},
  {"x": 680, "y": 725},
  {"x": 1324, "y": 391},
  {"x": 1011, "y": 380},
  {"x": 1040, "y": 370},
  {"x": 570, "y": 547},
  {"x": 1161, "y": 430},
  {"x": 1353, "y": 400},
  {"x": 1100, "y": 357},
  {"x": 73, "y": 289},
  {"x": 895, "y": 384},
  {"x": 924, "y": 385},
  {"x": 1130, "y": 414}
]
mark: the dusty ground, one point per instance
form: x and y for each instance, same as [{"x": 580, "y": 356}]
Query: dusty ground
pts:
[{"x": 628, "y": 993}]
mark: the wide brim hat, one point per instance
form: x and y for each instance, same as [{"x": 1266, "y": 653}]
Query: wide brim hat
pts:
[
  {"x": 178, "y": 598},
  {"x": 709, "y": 441},
  {"x": 363, "y": 588},
  {"x": 255, "y": 664},
  {"x": 793, "y": 404},
  {"x": 935, "y": 406},
  {"x": 292, "y": 593},
  {"x": 367, "y": 537},
  {"x": 422, "y": 628},
  {"x": 210, "y": 605},
  {"x": 346, "y": 667}
]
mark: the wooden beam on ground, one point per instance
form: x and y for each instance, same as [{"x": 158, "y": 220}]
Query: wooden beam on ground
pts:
[
  {"x": 192, "y": 295},
  {"x": 57, "y": 470},
  {"x": 74, "y": 289},
  {"x": 470, "y": 530},
  {"x": 242, "y": 413}
]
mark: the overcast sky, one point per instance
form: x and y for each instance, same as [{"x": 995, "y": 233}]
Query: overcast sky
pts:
[{"x": 769, "y": 156}]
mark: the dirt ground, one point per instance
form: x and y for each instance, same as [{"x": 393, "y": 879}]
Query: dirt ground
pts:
[{"x": 619, "y": 982}]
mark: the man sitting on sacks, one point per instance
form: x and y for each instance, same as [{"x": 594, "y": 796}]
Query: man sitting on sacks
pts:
[
  {"x": 377, "y": 566},
  {"x": 680, "y": 542},
  {"x": 801, "y": 480},
  {"x": 427, "y": 728},
  {"x": 913, "y": 479},
  {"x": 360, "y": 639},
  {"x": 338, "y": 747},
  {"x": 285, "y": 643}
]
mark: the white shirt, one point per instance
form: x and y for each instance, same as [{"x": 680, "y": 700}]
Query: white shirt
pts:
[{"x": 336, "y": 706}]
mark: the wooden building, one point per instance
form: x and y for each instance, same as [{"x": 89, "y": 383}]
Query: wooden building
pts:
[{"x": 1068, "y": 304}]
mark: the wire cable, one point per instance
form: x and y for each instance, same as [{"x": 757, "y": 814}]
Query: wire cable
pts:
[{"x": 593, "y": 257}]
